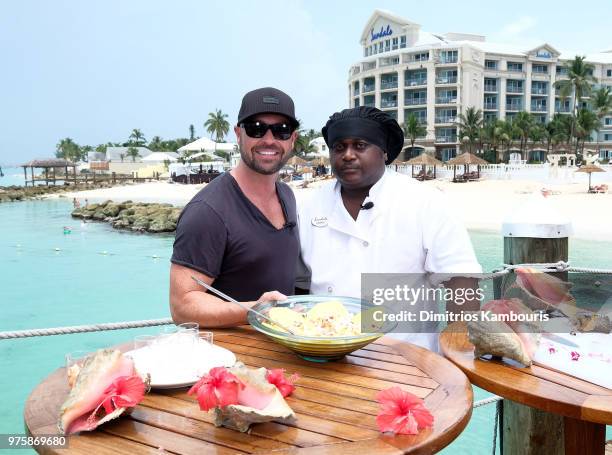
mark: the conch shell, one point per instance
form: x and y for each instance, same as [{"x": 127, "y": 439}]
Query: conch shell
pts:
[
  {"x": 106, "y": 385},
  {"x": 542, "y": 291},
  {"x": 498, "y": 339},
  {"x": 259, "y": 401},
  {"x": 516, "y": 340}
]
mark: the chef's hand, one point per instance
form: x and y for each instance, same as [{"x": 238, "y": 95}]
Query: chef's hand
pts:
[{"x": 272, "y": 296}]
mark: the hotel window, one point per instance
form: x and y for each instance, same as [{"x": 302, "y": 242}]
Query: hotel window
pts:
[
  {"x": 561, "y": 70},
  {"x": 423, "y": 56},
  {"x": 608, "y": 121},
  {"x": 607, "y": 137},
  {"x": 403, "y": 41},
  {"x": 609, "y": 73},
  {"x": 491, "y": 64},
  {"x": 490, "y": 102},
  {"x": 489, "y": 117},
  {"x": 514, "y": 86},
  {"x": 387, "y": 45},
  {"x": 395, "y": 43},
  {"x": 515, "y": 66},
  {"x": 490, "y": 84},
  {"x": 449, "y": 56},
  {"x": 365, "y": 52},
  {"x": 539, "y": 88},
  {"x": 542, "y": 69},
  {"x": 355, "y": 104}
]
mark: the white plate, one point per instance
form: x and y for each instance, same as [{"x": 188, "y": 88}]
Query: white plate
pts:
[{"x": 174, "y": 368}]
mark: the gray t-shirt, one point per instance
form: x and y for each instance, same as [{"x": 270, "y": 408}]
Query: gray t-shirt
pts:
[{"x": 222, "y": 234}]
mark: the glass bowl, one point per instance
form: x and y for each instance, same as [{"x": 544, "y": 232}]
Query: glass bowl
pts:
[{"x": 316, "y": 349}]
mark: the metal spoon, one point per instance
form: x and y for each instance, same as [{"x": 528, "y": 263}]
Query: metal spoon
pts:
[{"x": 227, "y": 297}]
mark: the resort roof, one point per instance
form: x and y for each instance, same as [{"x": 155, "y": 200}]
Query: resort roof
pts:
[
  {"x": 204, "y": 143},
  {"x": 52, "y": 162},
  {"x": 114, "y": 153}
]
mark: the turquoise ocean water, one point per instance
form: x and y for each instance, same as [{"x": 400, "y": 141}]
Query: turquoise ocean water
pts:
[
  {"x": 12, "y": 176},
  {"x": 97, "y": 274}
]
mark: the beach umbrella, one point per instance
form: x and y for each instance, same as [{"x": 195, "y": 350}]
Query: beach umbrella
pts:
[
  {"x": 466, "y": 158},
  {"x": 296, "y": 161},
  {"x": 423, "y": 160},
  {"x": 589, "y": 169}
]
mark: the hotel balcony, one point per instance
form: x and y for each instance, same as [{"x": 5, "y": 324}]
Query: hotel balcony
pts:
[
  {"x": 447, "y": 119},
  {"x": 446, "y": 139},
  {"x": 490, "y": 106},
  {"x": 368, "y": 88},
  {"x": 490, "y": 88},
  {"x": 356, "y": 91},
  {"x": 514, "y": 89},
  {"x": 539, "y": 91},
  {"x": 388, "y": 85},
  {"x": 538, "y": 108},
  {"x": 446, "y": 100},
  {"x": 446, "y": 80},
  {"x": 448, "y": 59},
  {"x": 388, "y": 103},
  {"x": 415, "y": 82},
  {"x": 414, "y": 101},
  {"x": 562, "y": 109},
  {"x": 514, "y": 107}
]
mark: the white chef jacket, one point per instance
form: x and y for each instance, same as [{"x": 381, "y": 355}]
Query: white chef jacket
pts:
[{"x": 410, "y": 229}]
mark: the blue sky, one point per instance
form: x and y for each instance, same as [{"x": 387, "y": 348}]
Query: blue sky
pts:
[{"x": 94, "y": 70}]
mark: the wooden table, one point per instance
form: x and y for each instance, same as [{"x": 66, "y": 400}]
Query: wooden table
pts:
[
  {"x": 334, "y": 403},
  {"x": 586, "y": 408}
]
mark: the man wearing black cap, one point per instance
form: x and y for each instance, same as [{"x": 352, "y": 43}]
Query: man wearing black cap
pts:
[
  {"x": 373, "y": 220},
  {"x": 239, "y": 232}
]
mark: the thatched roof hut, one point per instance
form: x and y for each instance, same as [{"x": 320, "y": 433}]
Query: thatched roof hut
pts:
[
  {"x": 423, "y": 160},
  {"x": 51, "y": 163},
  {"x": 466, "y": 159}
]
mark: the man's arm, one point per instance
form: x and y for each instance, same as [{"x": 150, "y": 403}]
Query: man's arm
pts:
[{"x": 189, "y": 302}]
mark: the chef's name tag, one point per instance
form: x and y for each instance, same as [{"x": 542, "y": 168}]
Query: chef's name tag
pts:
[{"x": 319, "y": 221}]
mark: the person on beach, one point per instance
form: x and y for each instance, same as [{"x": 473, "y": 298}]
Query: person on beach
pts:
[
  {"x": 239, "y": 232},
  {"x": 75, "y": 203},
  {"x": 372, "y": 219}
]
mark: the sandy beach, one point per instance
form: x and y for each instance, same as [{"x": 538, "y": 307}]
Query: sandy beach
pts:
[{"x": 482, "y": 205}]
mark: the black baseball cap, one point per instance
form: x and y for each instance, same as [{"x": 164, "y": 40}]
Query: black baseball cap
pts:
[{"x": 267, "y": 100}]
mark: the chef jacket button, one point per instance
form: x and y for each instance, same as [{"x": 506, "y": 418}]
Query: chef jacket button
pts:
[
  {"x": 366, "y": 243},
  {"x": 330, "y": 289}
]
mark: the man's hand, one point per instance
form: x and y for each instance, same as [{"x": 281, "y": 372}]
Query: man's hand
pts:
[{"x": 271, "y": 296}]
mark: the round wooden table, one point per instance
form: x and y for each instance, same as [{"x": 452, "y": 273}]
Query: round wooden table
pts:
[
  {"x": 586, "y": 407},
  {"x": 334, "y": 403}
]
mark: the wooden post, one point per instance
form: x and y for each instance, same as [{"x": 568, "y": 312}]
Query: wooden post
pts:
[
  {"x": 114, "y": 178},
  {"x": 32, "y": 173},
  {"x": 94, "y": 177},
  {"x": 47, "y": 176},
  {"x": 537, "y": 234},
  {"x": 85, "y": 179},
  {"x": 25, "y": 176},
  {"x": 53, "y": 175}
]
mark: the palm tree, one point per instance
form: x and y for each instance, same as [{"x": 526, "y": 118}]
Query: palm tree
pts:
[
  {"x": 302, "y": 146},
  {"x": 414, "y": 129},
  {"x": 492, "y": 134},
  {"x": 217, "y": 125},
  {"x": 156, "y": 144},
  {"x": 469, "y": 125},
  {"x": 578, "y": 84},
  {"x": 586, "y": 122},
  {"x": 68, "y": 149},
  {"x": 101, "y": 149},
  {"x": 133, "y": 153},
  {"x": 137, "y": 136},
  {"x": 191, "y": 133},
  {"x": 523, "y": 123},
  {"x": 602, "y": 104},
  {"x": 84, "y": 152}
]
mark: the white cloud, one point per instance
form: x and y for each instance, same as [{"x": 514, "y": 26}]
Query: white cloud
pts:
[{"x": 519, "y": 26}]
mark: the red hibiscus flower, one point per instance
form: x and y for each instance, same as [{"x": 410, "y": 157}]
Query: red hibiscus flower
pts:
[
  {"x": 123, "y": 392},
  {"x": 402, "y": 412},
  {"x": 217, "y": 388},
  {"x": 284, "y": 385}
]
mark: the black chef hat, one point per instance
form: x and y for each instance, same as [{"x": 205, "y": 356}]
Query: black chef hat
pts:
[{"x": 369, "y": 124}]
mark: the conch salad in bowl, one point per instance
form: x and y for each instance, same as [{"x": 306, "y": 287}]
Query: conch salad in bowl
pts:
[{"x": 325, "y": 319}]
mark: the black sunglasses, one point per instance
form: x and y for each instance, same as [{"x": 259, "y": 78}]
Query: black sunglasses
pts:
[{"x": 257, "y": 129}]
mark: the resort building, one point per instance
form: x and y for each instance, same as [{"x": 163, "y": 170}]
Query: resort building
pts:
[{"x": 436, "y": 77}]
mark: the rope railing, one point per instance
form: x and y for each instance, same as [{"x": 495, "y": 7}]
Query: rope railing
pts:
[{"x": 84, "y": 328}]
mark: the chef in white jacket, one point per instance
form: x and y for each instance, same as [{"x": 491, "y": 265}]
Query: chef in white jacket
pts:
[{"x": 373, "y": 220}]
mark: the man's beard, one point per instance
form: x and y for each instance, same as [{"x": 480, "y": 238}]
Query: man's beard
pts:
[{"x": 254, "y": 165}]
